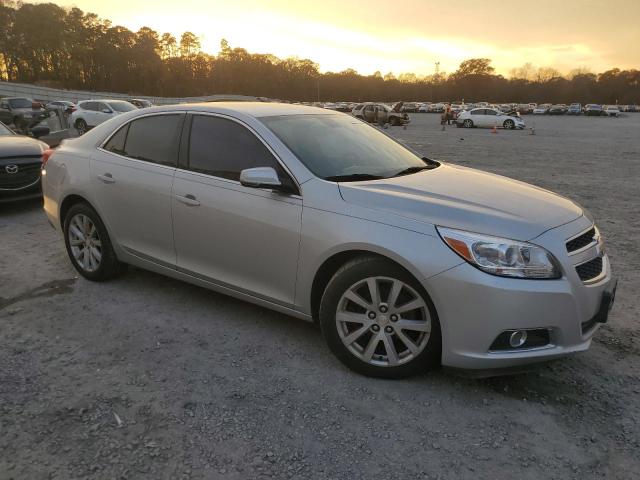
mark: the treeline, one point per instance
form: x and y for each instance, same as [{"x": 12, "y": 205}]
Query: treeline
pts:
[{"x": 68, "y": 48}]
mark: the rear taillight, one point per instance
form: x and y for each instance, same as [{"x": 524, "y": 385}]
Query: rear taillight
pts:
[{"x": 46, "y": 155}]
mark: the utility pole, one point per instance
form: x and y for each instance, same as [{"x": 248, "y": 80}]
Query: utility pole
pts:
[{"x": 318, "y": 85}]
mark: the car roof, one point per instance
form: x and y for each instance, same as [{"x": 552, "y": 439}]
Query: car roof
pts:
[{"x": 252, "y": 109}]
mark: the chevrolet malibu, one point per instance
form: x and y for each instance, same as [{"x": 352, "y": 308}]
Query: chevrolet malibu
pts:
[{"x": 405, "y": 262}]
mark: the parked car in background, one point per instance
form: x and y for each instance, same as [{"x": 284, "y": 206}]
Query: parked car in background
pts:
[
  {"x": 559, "y": 109},
  {"x": 20, "y": 162},
  {"x": 574, "y": 109},
  {"x": 594, "y": 110},
  {"x": 405, "y": 262},
  {"x": 612, "y": 110},
  {"x": 488, "y": 118},
  {"x": 66, "y": 106},
  {"x": 541, "y": 110},
  {"x": 424, "y": 108},
  {"x": 140, "y": 103},
  {"x": 524, "y": 108},
  {"x": 366, "y": 111},
  {"x": 410, "y": 107},
  {"x": 90, "y": 113},
  {"x": 22, "y": 112}
]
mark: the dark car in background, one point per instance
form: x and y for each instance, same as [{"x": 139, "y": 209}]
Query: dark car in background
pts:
[
  {"x": 20, "y": 164},
  {"x": 22, "y": 112},
  {"x": 559, "y": 109},
  {"x": 593, "y": 110}
]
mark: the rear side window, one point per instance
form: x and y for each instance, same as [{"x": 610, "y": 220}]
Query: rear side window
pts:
[
  {"x": 116, "y": 143},
  {"x": 223, "y": 148},
  {"x": 153, "y": 139}
]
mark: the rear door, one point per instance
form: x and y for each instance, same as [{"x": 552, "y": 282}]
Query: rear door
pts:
[
  {"x": 103, "y": 113},
  {"x": 88, "y": 113},
  {"x": 132, "y": 176},
  {"x": 491, "y": 118},
  {"x": 238, "y": 237}
]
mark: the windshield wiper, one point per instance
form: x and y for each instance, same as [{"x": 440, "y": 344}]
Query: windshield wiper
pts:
[
  {"x": 410, "y": 170},
  {"x": 353, "y": 177}
]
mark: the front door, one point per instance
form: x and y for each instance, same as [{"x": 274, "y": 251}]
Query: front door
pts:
[{"x": 238, "y": 237}]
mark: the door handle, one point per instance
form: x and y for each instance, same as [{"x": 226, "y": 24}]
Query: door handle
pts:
[
  {"x": 188, "y": 199},
  {"x": 107, "y": 178}
]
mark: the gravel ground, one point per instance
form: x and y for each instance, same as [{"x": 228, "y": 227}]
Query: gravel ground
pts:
[{"x": 149, "y": 378}]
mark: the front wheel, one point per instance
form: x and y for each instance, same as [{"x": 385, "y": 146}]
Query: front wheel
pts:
[
  {"x": 509, "y": 124},
  {"x": 378, "y": 320},
  {"x": 467, "y": 123}
]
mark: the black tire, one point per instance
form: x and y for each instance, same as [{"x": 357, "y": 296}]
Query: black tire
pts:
[
  {"x": 394, "y": 121},
  {"x": 509, "y": 124},
  {"x": 81, "y": 127},
  {"x": 352, "y": 273},
  {"x": 468, "y": 123},
  {"x": 109, "y": 266}
]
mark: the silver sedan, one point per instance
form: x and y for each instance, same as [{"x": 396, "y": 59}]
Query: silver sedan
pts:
[{"x": 405, "y": 262}]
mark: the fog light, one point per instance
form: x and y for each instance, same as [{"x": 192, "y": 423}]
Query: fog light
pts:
[{"x": 518, "y": 338}]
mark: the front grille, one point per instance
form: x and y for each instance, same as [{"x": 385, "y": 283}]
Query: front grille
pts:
[
  {"x": 582, "y": 241},
  {"x": 590, "y": 270},
  {"x": 26, "y": 175}
]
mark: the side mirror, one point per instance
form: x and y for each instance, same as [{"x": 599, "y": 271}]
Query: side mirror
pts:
[
  {"x": 106, "y": 110},
  {"x": 261, "y": 177},
  {"x": 40, "y": 131}
]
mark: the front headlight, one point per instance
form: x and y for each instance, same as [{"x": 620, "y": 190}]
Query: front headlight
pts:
[{"x": 501, "y": 256}]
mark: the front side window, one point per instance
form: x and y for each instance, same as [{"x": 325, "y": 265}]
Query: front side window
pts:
[
  {"x": 490, "y": 112},
  {"x": 20, "y": 103},
  {"x": 223, "y": 148},
  {"x": 153, "y": 139}
]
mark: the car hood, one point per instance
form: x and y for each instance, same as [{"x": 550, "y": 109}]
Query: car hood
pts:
[
  {"x": 467, "y": 199},
  {"x": 19, "y": 146}
]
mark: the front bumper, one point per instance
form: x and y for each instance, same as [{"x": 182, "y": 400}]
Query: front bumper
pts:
[{"x": 475, "y": 307}]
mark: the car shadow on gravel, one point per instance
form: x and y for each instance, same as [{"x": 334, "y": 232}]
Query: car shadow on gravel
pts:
[{"x": 14, "y": 209}]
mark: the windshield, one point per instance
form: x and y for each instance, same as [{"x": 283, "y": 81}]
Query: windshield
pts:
[
  {"x": 20, "y": 103},
  {"x": 4, "y": 130},
  {"x": 121, "y": 106},
  {"x": 342, "y": 148}
]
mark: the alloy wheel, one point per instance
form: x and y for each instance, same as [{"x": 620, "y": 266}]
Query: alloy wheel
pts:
[
  {"x": 383, "y": 321},
  {"x": 85, "y": 243}
]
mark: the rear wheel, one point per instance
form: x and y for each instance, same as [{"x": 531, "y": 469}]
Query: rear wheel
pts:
[
  {"x": 88, "y": 244},
  {"x": 81, "y": 127},
  {"x": 509, "y": 124},
  {"x": 467, "y": 123},
  {"x": 378, "y": 320}
]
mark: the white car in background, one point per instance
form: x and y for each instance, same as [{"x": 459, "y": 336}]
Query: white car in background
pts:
[
  {"x": 488, "y": 118},
  {"x": 612, "y": 110},
  {"x": 541, "y": 110},
  {"x": 90, "y": 113}
]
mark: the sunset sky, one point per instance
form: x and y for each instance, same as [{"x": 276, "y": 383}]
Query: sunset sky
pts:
[{"x": 401, "y": 36}]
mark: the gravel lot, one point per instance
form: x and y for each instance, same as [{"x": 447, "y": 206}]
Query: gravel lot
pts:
[{"x": 148, "y": 377}]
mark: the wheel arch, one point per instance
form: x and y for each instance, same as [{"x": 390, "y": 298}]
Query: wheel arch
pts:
[
  {"x": 68, "y": 202},
  {"x": 327, "y": 269}
]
